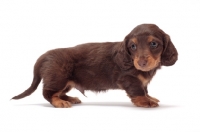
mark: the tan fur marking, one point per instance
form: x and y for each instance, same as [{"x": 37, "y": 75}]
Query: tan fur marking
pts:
[
  {"x": 153, "y": 99},
  {"x": 150, "y": 38},
  {"x": 143, "y": 80},
  {"x": 151, "y": 63},
  {"x": 73, "y": 100},
  {"x": 143, "y": 101},
  {"x": 134, "y": 40},
  {"x": 59, "y": 103}
]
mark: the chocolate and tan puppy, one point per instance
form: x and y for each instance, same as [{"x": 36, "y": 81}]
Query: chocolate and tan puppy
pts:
[{"x": 128, "y": 65}]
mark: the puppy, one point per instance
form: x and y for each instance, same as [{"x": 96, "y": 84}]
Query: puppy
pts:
[{"x": 128, "y": 65}]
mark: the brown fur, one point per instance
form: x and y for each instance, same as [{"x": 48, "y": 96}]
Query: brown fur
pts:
[{"x": 103, "y": 66}]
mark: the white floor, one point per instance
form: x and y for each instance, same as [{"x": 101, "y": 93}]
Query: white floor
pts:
[
  {"x": 30, "y": 28},
  {"x": 111, "y": 111},
  {"x": 99, "y": 116}
]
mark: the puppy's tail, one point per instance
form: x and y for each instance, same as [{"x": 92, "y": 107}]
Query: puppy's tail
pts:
[{"x": 35, "y": 82}]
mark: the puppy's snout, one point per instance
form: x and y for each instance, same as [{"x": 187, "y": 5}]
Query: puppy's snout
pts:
[{"x": 142, "y": 62}]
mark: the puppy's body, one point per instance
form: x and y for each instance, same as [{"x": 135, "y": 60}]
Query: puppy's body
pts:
[
  {"x": 102, "y": 66},
  {"x": 88, "y": 66}
]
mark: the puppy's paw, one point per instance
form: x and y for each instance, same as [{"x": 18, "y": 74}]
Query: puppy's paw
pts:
[
  {"x": 153, "y": 99},
  {"x": 143, "y": 101},
  {"x": 58, "y": 103},
  {"x": 74, "y": 100}
]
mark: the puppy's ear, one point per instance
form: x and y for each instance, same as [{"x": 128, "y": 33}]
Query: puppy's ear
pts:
[
  {"x": 122, "y": 57},
  {"x": 169, "y": 55}
]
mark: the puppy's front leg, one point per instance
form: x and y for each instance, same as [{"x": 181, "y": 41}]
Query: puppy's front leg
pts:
[
  {"x": 150, "y": 97},
  {"x": 136, "y": 91}
]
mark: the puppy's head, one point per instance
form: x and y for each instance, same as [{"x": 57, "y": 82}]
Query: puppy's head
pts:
[{"x": 147, "y": 47}]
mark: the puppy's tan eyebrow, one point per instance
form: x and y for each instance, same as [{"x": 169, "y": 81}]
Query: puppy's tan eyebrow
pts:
[
  {"x": 134, "y": 40},
  {"x": 152, "y": 38}
]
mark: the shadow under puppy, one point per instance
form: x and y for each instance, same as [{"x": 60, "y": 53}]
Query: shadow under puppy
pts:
[{"x": 128, "y": 65}]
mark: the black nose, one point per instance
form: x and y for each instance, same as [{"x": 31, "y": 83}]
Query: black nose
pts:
[{"x": 142, "y": 63}]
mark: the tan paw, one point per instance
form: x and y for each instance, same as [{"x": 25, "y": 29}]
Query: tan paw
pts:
[
  {"x": 58, "y": 103},
  {"x": 74, "y": 100},
  {"x": 153, "y": 99},
  {"x": 143, "y": 101}
]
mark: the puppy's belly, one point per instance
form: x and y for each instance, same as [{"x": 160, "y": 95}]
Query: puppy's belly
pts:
[
  {"x": 94, "y": 84},
  {"x": 95, "y": 78}
]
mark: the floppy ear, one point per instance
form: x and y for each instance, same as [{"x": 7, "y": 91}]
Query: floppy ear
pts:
[
  {"x": 169, "y": 55},
  {"x": 122, "y": 57}
]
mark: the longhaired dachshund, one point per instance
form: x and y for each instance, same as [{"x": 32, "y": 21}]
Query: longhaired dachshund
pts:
[{"x": 128, "y": 65}]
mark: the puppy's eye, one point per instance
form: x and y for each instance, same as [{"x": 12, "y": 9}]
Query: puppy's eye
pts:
[
  {"x": 133, "y": 46},
  {"x": 153, "y": 45}
]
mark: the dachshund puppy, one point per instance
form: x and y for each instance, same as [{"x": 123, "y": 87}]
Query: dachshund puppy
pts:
[{"x": 128, "y": 65}]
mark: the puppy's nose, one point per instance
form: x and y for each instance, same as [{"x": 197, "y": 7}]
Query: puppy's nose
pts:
[{"x": 142, "y": 62}]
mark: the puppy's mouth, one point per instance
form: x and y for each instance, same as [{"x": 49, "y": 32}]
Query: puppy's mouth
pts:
[{"x": 146, "y": 64}]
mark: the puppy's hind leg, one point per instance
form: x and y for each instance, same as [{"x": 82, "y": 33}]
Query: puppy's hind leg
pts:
[
  {"x": 59, "y": 99},
  {"x": 63, "y": 96},
  {"x": 54, "y": 98}
]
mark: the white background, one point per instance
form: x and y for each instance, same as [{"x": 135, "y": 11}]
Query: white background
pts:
[{"x": 30, "y": 28}]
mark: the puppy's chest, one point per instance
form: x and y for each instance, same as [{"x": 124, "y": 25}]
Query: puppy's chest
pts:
[{"x": 145, "y": 78}]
